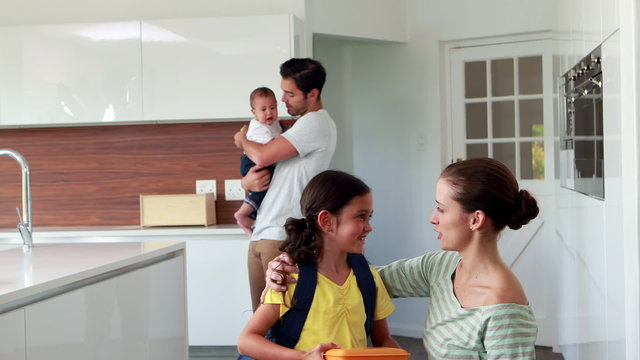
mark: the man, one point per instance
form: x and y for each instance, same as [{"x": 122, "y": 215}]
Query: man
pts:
[{"x": 301, "y": 152}]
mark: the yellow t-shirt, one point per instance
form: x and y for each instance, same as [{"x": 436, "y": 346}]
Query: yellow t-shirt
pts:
[{"x": 337, "y": 313}]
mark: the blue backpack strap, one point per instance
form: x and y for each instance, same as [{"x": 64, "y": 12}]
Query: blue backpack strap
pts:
[
  {"x": 287, "y": 330},
  {"x": 367, "y": 286}
]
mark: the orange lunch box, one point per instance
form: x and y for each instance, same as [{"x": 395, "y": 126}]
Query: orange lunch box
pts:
[{"x": 377, "y": 353}]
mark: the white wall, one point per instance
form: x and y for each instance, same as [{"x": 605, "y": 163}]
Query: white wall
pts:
[
  {"x": 384, "y": 20},
  {"x": 335, "y": 55}
]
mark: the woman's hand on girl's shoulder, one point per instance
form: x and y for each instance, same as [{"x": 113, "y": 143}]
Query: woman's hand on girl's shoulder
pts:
[
  {"x": 317, "y": 352},
  {"x": 277, "y": 275},
  {"x": 278, "y": 270}
]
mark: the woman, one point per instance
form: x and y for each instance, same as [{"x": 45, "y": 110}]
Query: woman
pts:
[{"x": 478, "y": 308}]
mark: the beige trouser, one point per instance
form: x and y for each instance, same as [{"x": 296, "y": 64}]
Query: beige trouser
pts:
[{"x": 260, "y": 253}]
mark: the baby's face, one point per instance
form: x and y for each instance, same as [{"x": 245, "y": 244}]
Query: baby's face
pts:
[{"x": 265, "y": 109}]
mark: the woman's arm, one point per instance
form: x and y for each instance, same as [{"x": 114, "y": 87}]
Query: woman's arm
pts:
[
  {"x": 407, "y": 277},
  {"x": 402, "y": 278},
  {"x": 277, "y": 276},
  {"x": 510, "y": 332},
  {"x": 380, "y": 336}
]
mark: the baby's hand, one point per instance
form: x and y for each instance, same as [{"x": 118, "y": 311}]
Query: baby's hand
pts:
[{"x": 239, "y": 136}]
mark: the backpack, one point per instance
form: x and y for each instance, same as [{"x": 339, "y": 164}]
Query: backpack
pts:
[{"x": 286, "y": 332}]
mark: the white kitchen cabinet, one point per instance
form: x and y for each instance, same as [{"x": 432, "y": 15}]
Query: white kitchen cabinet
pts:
[
  {"x": 218, "y": 295},
  {"x": 12, "y": 341},
  {"x": 138, "y": 315},
  {"x": 72, "y": 73},
  {"x": 141, "y": 71},
  {"x": 205, "y": 68}
]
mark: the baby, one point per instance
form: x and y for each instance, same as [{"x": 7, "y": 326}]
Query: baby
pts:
[{"x": 262, "y": 129}]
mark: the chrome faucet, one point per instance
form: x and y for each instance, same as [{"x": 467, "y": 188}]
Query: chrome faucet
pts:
[{"x": 24, "y": 224}]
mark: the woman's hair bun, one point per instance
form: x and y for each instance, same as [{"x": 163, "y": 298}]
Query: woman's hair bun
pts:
[{"x": 526, "y": 210}]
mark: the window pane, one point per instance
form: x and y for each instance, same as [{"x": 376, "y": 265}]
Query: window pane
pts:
[
  {"x": 476, "y": 121},
  {"x": 477, "y": 150},
  {"x": 531, "y": 118},
  {"x": 530, "y": 75},
  {"x": 475, "y": 79},
  {"x": 503, "y": 119},
  {"x": 532, "y": 160},
  {"x": 506, "y": 153},
  {"x": 502, "y": 77}
]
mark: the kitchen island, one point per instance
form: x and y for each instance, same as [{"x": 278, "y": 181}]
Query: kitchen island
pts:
[
  {"x": 218, "y": 304},
  {"x": 124, "y": 300}
]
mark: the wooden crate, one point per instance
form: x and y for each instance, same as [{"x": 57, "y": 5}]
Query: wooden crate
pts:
[{"x": 177, "y": 210}]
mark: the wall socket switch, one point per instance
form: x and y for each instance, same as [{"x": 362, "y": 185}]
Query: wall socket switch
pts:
[
  {"x": 233, "y": 190},
  {"x": 206, "y": 187}
]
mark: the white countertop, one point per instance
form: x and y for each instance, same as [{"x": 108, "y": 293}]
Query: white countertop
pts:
[
  {"x": 115, "y": 233},
  {"x": 28, "y": 276}
]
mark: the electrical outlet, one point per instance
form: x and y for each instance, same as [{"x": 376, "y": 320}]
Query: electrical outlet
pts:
[
  {"x": 233, "y": 190},
  {"x": 206, "y": 187}
]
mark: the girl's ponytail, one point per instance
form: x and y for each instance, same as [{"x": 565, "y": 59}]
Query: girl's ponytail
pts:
[{"x": 303, "y": 241}]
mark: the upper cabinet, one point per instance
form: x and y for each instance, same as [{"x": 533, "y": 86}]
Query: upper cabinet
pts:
[
  {"x": 140, "y": 71},
  {"x": 74, "y": 73},
  {"x": 77, "y": 73},
  {"x": 206, "y": 68}
]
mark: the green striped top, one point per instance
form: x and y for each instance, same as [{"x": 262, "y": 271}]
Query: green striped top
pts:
[{"x": 501, "y": 331}]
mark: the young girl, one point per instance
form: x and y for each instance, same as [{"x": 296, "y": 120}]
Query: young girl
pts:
[{"x": 337, "y": 209}]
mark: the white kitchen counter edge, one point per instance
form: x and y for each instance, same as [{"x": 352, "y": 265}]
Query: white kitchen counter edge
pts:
[
  {"x": 53, "y": 287},
  {"x": 118, "y": 233}
]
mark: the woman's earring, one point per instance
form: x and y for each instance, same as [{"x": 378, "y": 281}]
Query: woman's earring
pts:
[{"x": 472, "y": 228}]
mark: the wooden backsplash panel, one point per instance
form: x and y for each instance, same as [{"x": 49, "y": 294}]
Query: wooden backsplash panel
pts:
[{"x": 91, "y": 176}]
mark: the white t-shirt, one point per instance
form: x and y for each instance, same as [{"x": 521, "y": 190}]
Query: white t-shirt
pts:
[
  {"x": 263, "y": 133},
  {"x": 314, "y": 137}
]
